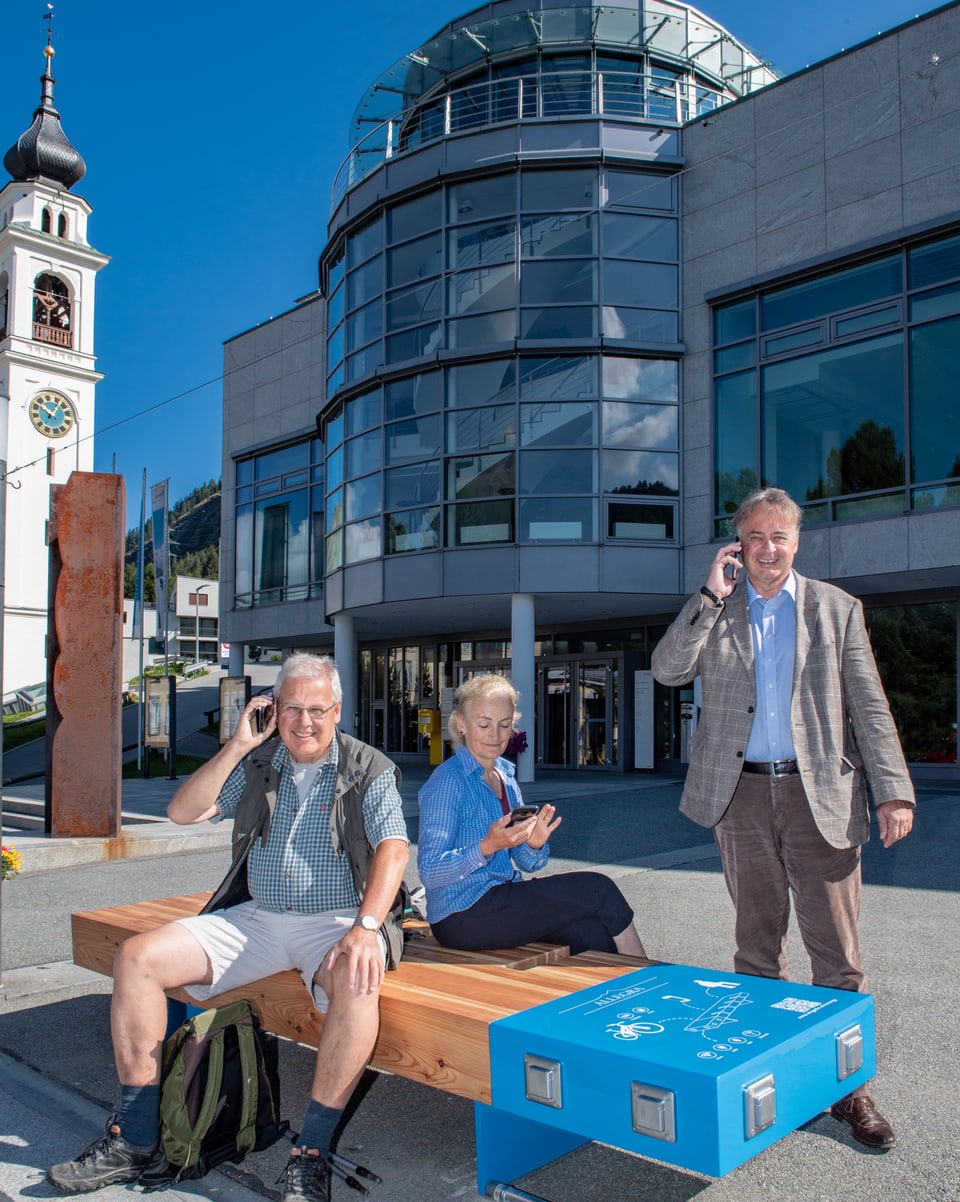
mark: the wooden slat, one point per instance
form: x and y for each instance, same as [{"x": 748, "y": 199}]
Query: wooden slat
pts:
[{"x": 435, "y": 1009}]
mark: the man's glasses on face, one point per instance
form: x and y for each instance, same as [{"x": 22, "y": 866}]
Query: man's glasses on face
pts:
[{"x": 288, "y": 710}]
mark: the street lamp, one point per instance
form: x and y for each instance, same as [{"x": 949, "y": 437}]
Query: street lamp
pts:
[{"x": 196, "y": 606}]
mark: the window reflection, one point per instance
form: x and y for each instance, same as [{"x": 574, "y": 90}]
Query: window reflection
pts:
[
  {"x": 558, "y": 519},
  {"x": 916, "y": 652},
  {"x": 570, "y": 423},
  {"x": 416, "y": 484},
  {"x": 479, "y": 522},
  {"x": 363, "y": 541},
  {"x": 627, "y": 519},
  {"x": 481, "y": 475},
  {"x": 833, "y": 421},
  {"x": 488, "y": 428},
  {"x": 413, "y": 530},
  {"x": 629, "y": 425},
  {"x": 935, "y": 406},
  {"x": 645, "y": 473},
  {"x": 558, "y": 471},
  {"x": 363, "y": 497},
  {"x": 416, "y": 439}
]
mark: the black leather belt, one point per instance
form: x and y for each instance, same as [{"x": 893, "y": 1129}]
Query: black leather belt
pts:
[{"x": 771, "y": 767}]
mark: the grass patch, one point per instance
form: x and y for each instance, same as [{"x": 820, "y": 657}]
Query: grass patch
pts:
[
  {"x": 160, "y": 768},
  {"x": 15, "y": 734}
]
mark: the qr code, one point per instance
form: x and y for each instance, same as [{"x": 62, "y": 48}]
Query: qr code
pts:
[{"x": 796, "y": 1004}]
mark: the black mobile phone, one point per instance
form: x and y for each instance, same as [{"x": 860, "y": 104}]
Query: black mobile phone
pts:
[
  {"x": 731, "y": 571},
  {"x": 261, "y": 718},
  {"x": 521, "y": 814}
]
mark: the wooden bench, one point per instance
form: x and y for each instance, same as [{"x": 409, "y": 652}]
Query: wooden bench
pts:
[{"x": 435, "y": 1009}]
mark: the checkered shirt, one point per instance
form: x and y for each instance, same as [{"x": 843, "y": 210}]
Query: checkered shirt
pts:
[{"x": 297, "y": 869}]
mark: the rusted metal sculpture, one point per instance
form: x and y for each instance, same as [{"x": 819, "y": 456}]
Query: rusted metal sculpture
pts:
[{"x": 84, "y": 653}]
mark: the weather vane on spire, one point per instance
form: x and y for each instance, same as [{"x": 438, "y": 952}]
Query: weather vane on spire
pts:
[{"x": 48, "y": 17}]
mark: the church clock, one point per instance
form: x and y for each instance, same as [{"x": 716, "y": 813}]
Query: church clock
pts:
[{"x": 52, "y": 414}]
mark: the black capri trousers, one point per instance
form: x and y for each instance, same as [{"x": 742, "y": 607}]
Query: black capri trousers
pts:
[{"x": 583, "y": 910}]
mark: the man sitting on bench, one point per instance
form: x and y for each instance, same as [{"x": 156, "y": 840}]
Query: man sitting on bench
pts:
[{"x": 319, "y": 849}]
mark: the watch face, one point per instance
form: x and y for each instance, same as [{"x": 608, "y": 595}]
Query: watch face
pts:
[{"x": 52, "y": 414}]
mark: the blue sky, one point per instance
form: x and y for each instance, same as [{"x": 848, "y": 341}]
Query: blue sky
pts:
[{"x": 212, "y": 136}]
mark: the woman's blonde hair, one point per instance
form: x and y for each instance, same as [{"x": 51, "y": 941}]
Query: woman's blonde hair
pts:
[{"x": 488, "y": 684}]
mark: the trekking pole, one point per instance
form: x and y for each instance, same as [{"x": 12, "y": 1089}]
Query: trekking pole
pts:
[
  {"x": 347, "y": 1177},
  {"x": 502, "y": 1192},
  {"x": 341, "y": 1162}
]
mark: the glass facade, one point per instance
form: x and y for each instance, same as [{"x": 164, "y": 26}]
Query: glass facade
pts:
[
  {"x": 841, "y": 388},
  {"x": 528, "y": 449},
  {"x": 557, "y": 254},
  {"x": 279, "y": 525}
]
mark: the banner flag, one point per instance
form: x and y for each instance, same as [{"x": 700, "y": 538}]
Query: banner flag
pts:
[{"x": 160, "y": 504}]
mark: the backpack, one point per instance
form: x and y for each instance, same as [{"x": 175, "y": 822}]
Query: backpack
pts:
[{"x": 219, "y": 1094}]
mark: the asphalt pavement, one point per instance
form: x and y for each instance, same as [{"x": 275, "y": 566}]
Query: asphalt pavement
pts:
[{"x": 59, "y": 1085}]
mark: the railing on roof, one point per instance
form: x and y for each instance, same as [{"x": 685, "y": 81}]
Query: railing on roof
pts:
[{"x": 618, "y": 95}]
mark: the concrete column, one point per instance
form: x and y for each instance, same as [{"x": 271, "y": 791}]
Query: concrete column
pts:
[
  {"x": 523, "y": 673},
  {"x": 345, "y": 653},
  {"x": 235, "y": 659}
]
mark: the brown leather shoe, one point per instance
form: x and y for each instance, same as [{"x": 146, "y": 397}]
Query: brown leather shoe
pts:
[{"x": 868, "y": 1125}]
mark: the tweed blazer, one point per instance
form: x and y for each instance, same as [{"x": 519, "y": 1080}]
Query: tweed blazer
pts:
[{"x": 840, "y": 721}]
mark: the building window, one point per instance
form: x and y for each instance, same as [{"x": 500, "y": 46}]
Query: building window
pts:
[
  {"x": 62, "y": 226},
  {"x": 841, "y": 388},
  {"x": 280, "y": 525},
  {"x": 530, "y": 449},
  {"x": 542, "y": 253},
  {"x": 916, "y": 651}
]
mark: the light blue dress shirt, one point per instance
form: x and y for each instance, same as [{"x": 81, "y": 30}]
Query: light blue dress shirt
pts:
[{"x": 773, "y": 625}]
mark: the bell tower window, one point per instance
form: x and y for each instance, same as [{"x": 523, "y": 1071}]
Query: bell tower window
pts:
[
  {"x": 4, "y": 303},
  {"x": 62, "y": 226},
  {"x": 45, "y": 221},
  {"x": 51, "y": 311}
]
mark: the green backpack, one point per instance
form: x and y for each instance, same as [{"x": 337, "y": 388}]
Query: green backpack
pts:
[{"x": 219, "y": 1094}]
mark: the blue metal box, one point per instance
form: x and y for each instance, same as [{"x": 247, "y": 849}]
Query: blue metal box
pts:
[{"x": 697, "y": 1068}]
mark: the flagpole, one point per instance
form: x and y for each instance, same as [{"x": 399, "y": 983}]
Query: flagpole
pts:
[{"x": 138, "y": 611}]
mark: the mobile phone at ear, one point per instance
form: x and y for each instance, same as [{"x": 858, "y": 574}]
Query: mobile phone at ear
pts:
[
  {"x": 732, "y": 571},
  {"x": 521, "y": 814},
  {"x": 262, "y": 716}
]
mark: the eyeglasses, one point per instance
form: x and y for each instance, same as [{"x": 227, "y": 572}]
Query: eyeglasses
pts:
[{"x": 315, "y": 712}]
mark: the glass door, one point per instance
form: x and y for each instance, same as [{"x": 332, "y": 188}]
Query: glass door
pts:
[
  {"x": 554, "y": 713},
  {"x": 597, "y": 715}
]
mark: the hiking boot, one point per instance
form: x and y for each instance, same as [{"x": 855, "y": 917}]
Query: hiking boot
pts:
[
  {"x": 305, "y": 1179},
  {"x": 111, "y": 1160}
]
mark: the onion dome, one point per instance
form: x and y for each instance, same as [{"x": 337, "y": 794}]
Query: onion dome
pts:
[{"x": 44, "y": 152}]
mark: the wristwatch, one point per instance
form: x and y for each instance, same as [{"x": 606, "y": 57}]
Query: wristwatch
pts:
[
  {"x": 367, "y": 921},
  {"x": 715, "y": 601}
]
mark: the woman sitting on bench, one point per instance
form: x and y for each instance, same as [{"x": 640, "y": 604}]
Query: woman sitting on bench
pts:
[{"x": 476, "y": 840}]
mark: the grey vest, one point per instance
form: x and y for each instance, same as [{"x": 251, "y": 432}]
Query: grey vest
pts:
[{"x": 357, "y": 766}]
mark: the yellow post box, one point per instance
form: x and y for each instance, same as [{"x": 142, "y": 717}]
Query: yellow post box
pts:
[{"x": 429, "y": 723}]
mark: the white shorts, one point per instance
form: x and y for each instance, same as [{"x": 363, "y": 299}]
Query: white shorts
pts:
[{"x": 247, "y": 942}]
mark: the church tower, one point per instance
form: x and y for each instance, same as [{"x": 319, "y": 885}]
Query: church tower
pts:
[{"x": 47, "y": 365}]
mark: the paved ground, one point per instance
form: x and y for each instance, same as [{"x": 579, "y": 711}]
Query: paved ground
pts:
[{"x": 58, "y": 1082}]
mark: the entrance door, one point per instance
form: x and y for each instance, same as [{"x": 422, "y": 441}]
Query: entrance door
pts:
[
  {"x": 596, "y": 698},
  {"x": 579, "y": 714},
  {"x": 554, "y": 711}
]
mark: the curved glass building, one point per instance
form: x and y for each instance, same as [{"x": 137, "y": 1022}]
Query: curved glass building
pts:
[{"x": 499, "y": 435}]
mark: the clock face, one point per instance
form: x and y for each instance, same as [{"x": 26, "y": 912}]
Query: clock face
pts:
[{"x": 52, "y": 414}]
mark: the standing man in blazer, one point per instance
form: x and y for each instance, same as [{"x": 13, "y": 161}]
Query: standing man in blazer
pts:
[{"x": 794, "y": 723}]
